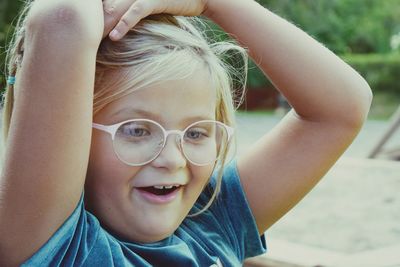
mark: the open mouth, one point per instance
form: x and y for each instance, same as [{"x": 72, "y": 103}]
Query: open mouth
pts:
[
  {"x": 159, "y": 194},
  {"x": 160, "y": 190}
]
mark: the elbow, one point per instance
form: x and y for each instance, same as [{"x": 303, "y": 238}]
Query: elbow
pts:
[
  {"x": 45, "y": 16},
  {"x": 61, "y": 19},
  {"x": 368, "y": 97},
  {"x": 360, "y": 106}
]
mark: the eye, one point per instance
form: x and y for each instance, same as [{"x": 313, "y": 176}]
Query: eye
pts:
[
  {"x": 134, "y": 131},
  {"x": 195, "y": 134}
]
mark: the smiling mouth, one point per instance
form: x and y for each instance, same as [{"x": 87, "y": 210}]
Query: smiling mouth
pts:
[
  {"x": 160, "y": 190},
  {"x": 159, "y": 194}
]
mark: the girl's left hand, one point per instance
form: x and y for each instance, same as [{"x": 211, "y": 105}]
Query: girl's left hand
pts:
[{"x": 121, "y": 15}]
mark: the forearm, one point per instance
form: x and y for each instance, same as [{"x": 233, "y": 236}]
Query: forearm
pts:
[
  {"x": 319, "y": 85},
  {"x": 50, "y": 129},
  {"x": 53, "y": 90}
]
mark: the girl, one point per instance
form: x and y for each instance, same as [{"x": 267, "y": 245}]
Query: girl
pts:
[{"x": 143, "y": 120}]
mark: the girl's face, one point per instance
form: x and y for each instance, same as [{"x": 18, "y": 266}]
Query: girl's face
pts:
[{"x": 113, "y": 191}]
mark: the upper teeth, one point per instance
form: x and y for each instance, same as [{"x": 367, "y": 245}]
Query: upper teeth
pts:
[{"x": 163, "y": 186}]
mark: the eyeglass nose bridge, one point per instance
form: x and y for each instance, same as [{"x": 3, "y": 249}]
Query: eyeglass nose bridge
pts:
[{"x": 178, "y": 139}]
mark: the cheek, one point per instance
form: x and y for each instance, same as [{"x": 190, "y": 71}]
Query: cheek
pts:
[
  {"x": 202, "y": 174},
  {"x": 105, "y": 171},
  {"x": 200, "y": 177}
]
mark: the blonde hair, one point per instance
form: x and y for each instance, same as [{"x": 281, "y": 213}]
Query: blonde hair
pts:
[{"x": 159, "y": 48}]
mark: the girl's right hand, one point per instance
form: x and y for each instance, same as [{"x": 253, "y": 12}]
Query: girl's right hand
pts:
[{"x": 122, "y": 15}]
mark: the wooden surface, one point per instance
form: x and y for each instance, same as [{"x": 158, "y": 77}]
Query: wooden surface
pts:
[
  {"x": 378, "y": 148},
  {"x": 263, "y": 261}
]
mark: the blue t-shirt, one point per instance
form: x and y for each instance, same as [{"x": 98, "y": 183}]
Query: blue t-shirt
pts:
[{"x": 224, "y": 235}]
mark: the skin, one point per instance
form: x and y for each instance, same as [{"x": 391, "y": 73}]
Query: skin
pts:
[
  {"x": 62, "y": 40},
  {"x": 319, "y": 128},
  {"x": 111, "y": 185}
]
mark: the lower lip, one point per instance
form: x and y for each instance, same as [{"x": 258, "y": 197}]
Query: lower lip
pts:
[{"x": 159, "y": 199}]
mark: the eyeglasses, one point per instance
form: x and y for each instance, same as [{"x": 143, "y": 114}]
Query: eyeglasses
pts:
[{"x": 140, "y": 141}]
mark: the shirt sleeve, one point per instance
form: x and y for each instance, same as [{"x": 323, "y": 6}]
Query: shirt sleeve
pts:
[
  {"x": 237, "y": 217},
  {"x": 70, "y": 244}
]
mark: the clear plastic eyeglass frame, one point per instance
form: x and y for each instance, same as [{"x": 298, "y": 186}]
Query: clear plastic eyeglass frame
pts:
[{"x": 112, "y": 130}]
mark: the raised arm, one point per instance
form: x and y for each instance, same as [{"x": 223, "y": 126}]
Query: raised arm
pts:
[
  {"x": 329, "y": 98},
  {"x": 49, "y": 139}
]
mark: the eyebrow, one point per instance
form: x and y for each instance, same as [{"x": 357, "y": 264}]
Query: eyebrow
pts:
[
  {"x": 140, "y": 113},
  {"x": 135, "y": 112}
]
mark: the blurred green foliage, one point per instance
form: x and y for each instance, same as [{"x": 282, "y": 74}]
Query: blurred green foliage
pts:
[
  {"x": 8, "y": 11},
  {"x": 344, "y": 26},
  {"x": 380, "y": 70},
  {"x": 361, "y": 30}
]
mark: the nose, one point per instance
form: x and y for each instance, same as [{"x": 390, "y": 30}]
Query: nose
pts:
[{"x": 171, "y": 155}]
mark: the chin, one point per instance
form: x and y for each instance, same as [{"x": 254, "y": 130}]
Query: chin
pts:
[
  {"x": 151, "y": 235},
  {"x": 151, "y": 227}
]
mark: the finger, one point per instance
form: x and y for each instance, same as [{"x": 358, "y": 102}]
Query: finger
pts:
[
  {"x": 110, "y": 18},
  {"x": 109, "y": 6},
  {"x": 138, "y": 10}
]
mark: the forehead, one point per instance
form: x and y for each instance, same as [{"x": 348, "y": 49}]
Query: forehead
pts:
[{"x": 177, "y": 102}]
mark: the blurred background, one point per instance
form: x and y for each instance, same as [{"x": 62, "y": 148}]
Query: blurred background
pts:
[
  {"x": 365, "y": 33},
  {"x": 352, "y": 216}
]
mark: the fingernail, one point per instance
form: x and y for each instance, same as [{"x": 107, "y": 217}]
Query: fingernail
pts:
[{"x": 115, "y": 34}]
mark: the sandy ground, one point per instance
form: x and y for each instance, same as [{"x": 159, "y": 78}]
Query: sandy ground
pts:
[
  {"x": 354, "y": 208},
  {"x": 352, "y": 213}
]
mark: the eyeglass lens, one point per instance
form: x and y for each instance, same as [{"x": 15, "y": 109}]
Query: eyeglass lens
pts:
[{"x": 140, "y": 141}]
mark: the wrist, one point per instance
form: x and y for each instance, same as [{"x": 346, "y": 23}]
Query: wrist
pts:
[
  {"x": 211, "y": 7},
  {"x": 215, "y": 8}
]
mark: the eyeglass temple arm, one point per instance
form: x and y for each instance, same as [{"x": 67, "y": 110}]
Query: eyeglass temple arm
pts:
[
  {"x": 104, "y": 128},
  {"x": 231, "y": 132}
]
